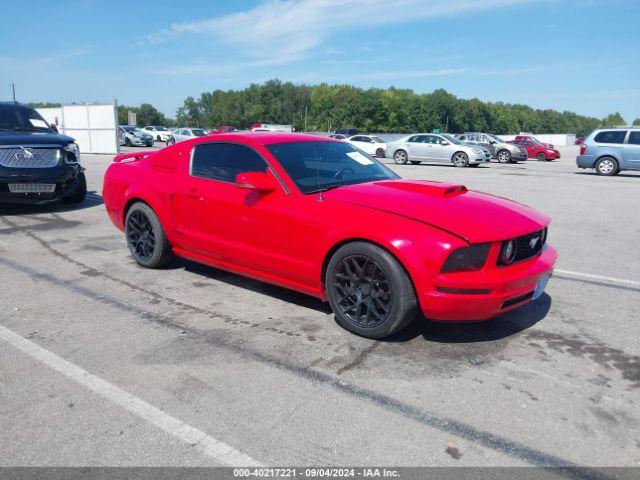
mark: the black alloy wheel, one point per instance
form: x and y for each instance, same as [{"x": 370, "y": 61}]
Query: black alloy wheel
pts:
[
  {"x": 146, "y": 239},
  {"x": 140, "y": 235},
  {"x": 369, "y": 291},
  {"x": 362, "y": 291}
]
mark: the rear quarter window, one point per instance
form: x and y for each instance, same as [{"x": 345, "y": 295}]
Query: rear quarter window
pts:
[{"x": 610, "y": 136}]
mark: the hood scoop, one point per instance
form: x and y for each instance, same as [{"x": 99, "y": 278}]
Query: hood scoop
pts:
[{"x": 437, "y": 189}]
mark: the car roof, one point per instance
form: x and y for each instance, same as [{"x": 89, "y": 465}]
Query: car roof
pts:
[{"x": 270, "y": 138}]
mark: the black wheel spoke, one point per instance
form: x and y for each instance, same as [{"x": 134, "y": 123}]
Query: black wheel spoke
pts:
[
  {"x": 141, "y": 235},
  {"x": 362, "y": 291}
]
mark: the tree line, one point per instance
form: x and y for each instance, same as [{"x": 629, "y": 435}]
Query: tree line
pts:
[{"x": 327, "y": 107}]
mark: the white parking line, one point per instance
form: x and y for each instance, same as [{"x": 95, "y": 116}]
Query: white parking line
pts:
[
  {"x": 211, "y": 447},
  {"x": 589, "y": 276}
]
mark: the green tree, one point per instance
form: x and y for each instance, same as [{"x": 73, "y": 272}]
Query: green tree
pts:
[
  {"x": 330, "y": 107},
  {"x": 612, "y": 120},
  {"x": 636, "y": 122}
]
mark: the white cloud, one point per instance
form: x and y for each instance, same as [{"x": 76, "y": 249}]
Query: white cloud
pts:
[{"x": 282, "y": 31}]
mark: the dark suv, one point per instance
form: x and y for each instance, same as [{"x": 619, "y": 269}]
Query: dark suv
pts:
[{"x": 37, "y": 165}]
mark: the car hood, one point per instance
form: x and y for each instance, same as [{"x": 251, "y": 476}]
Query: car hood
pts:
[
  {"x": 476, "y": 217},
  {"x": 33, "y": 138}
]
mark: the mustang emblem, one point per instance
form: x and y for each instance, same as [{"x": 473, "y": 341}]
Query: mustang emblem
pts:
[{"x": 533, "y": 242}]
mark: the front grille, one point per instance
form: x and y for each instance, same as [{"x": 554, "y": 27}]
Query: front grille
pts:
[
  {"x": 18, "y": 157},
  {"x": 527, "y": 246}
]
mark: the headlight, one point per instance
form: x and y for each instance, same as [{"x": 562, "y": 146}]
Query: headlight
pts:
[
  {"x": 507, "y": 252},
  {"x": 74, "y": 150},
  {"x": 476, "y": 150},
  {"x": 467, "y": 259}
]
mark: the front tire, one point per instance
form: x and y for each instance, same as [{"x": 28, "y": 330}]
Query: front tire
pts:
[
  {"x": 415, "y": 162},
  {"x": 607, "y": 166},
  {"x": 369, "y": 292},
  {"x": 127, "y": 142},
  {"x": 80, "y": 192},
  {"x": 541, "y": 157},
  {"x": 146, "y": 239},
  {"x": 504, "y": 156},
  {"x": 401, "y": 157},
  {"x": 460, "y": 159}
]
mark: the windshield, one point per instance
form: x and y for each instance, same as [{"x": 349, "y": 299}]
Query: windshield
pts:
[
  {"x": 19, "y": 117},
  {"x": 495, "y": 139},
  {"x": 318, "y": 166},
  {"x": 131, "y": 129},
  {"x": 452, "y": 139},
  {"x": 377, "y": 139},
  {"x": 162, "y": 129},
  {"x": 198, "y": 132}
]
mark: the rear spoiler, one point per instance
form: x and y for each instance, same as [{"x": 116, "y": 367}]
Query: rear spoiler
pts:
[{"x": 133, "y": 156}]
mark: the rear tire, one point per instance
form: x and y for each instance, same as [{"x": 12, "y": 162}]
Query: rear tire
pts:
[
  {"x": 380, "y": 153},
  {"x": 607, "y": 166},
  {"x": 79, "y": 193},
  {"x": 146, "y": 239},
  {"x": 400, "y": 157},
  {"x": 369, "y": 292}
]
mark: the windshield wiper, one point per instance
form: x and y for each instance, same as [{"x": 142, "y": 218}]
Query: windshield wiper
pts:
[{"x": 323, "y": 189}]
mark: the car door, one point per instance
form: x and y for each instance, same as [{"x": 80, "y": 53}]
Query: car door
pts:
[
  {"x": 240, "y": 227},
  {"x": 365, "y": 144},
  {"x": 435, "y": 150},
  {"x": 416, "y": 148},
  {"x": 489, "y": 144},
  {"x": 631, "y": 150}
]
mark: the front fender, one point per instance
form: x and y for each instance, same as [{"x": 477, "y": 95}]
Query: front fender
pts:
[{"x": 420, "y": 248}]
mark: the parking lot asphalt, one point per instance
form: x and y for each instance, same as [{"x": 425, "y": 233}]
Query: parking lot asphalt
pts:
[{"x": 105, "y": 363}]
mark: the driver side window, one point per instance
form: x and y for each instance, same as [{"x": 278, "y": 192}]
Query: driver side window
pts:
[{"x": 223, "y": 161}]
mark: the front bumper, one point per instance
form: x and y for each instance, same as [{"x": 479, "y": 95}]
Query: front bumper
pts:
[
  {"x": 65, "y": 177},
  {"x": 507, "y": 288},
  {"x": 139, "y": 142},
  {"x": 477, "y": 158}
]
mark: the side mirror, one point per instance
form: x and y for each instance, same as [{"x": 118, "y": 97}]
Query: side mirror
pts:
[
  {"x": 444, "y": 142},
  {"x": 256, "y": 181},
  {"x": 54, "y": 128}
]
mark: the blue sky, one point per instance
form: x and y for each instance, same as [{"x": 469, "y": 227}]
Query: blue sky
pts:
[{"x": 577, "y": 55}]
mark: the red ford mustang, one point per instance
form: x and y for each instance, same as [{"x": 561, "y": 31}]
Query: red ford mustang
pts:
[{"x": 320, "y": 216}]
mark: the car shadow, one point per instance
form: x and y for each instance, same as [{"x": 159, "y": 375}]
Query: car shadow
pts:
[
  {"x": 498, "y": 328},
  {"x": 622, "y": 175},
  {"x": 91, "y": 200},
  {"x": 505, "y": 325},
  {"x": 280, "y": 293}
]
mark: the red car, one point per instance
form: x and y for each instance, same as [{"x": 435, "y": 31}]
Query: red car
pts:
[
  {"x": 529, "y": 138},
  {"x": 319, "y": 216},
  {"x": 538, "y": 150}
]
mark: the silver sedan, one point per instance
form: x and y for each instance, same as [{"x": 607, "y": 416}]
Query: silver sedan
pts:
[{"x": 430, "y": 147}]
